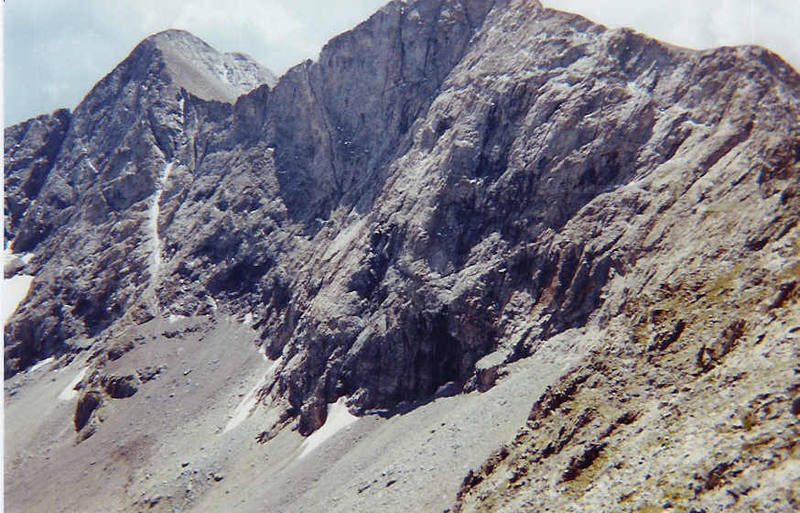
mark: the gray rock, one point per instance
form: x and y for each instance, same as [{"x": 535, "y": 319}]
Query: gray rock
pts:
[
  {"x": 120, "y": 387},
  {"x": 80, "y": 186},
  {"x": 87, "y": 404},
  {"x": 30, "y": 150},
  {"x": 379, "y": 230},
  {"x": 450, "y": 180}
]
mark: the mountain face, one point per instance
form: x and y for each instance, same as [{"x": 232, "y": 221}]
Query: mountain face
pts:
[
  {"x": 83, "y": 200},
  {"x": 462, "y": 207}
]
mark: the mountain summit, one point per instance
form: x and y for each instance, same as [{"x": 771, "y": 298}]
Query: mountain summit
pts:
[
  {"x": 202, "y": 71},
  {"x": 480, "y": 255}
]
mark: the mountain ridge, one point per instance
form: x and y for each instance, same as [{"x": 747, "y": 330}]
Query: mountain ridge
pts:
[
  {"x": 531, "y": 179},
  {"x": 328, "y": 180}
]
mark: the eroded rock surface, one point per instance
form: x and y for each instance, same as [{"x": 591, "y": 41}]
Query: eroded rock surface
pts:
[
  {"x": 81, "y": 187},
  {"x": 449, "y": 186}
]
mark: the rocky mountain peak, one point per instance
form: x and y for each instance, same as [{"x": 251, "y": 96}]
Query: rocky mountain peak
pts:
[
  {"x": 460, "y": 199},
  {"x": 98, "y": 167},
  {"x": 203, "y": 71}
]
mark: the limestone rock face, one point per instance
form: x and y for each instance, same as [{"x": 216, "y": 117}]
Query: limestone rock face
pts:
[
  {"x": 82, "y": 185},
  {"x": 450, "y": 185},
  {"x": 205, "y": 73},
  {"x": 30, "y": 149}
]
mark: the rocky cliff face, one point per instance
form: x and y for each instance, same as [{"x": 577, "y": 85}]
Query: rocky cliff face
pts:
[
  {"x": 405, "y": 236},
  {"x": 452, "y": 184},
  {"x": 88, "y": 181}
]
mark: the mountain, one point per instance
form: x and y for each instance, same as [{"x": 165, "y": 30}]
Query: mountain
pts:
[
  {"x": 79, "y": 183},
  {"x": 497, "y": 258}
]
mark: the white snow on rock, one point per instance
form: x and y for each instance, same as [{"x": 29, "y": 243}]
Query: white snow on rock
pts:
[
  {"x": 247, "y": 404},
  {"x": 41, "y": 364},
  {"x": 173, "y": 318},
  {"x": 9, "y": 255},
  {"x": 69, "y": 391},
  {"x": 339, "y": 417},
  {"x": 88, "y": 161},
  {"x": 15, "y": 289},
  {"x": 155, "y": 210}
]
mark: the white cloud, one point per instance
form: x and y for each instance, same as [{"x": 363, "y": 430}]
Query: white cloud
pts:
[
  {"x": 55, "y": 50},
  {"x": 701, "y": 23}
]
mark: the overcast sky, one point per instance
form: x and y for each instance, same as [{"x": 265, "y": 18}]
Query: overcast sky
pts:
[{"x": 55, "y": 50}]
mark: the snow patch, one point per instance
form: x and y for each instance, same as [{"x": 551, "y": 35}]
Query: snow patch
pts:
[
  {"x": 339, "y": 417},
  {"x": 15, "y": 289},
  {"x": 69, "y": 391},
  {"x": 173, "y": 318},
  {"x": 40, "y": 364},
  {"x": 88, "y": 161},
  {"x": 637, "y": 90},
  {"x": 9, "y": 255},
  {"x": 248, "y": 318},
  {"x": 155, "y": 210},
  {"x": 91, "y": 166},
  {"x": 247, "y": 404},
  {"x": 181, "y": 110},
  {"x": 155, "y": 241}
]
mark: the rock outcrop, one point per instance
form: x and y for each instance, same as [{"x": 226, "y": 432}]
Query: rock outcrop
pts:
[
  {"x": 30, "y": 149},
  {"x": 81, "y": 186},
  {"x": 450, "y": 185}
]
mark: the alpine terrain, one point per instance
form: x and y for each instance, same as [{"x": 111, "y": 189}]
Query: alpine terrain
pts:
[{"x": 479, "y": 256}]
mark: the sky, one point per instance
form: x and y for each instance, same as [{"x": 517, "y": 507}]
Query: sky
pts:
[{"x": 56, "y": 50}]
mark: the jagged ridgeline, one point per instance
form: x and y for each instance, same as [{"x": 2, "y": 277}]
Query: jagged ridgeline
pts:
[{"x": 452, "y": 187}]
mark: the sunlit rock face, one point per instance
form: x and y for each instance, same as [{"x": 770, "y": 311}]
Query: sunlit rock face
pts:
[
  {"x": 80, "y": 185},
  {"x": 447, "y": 188}
]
